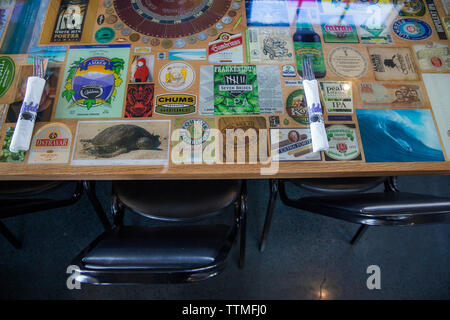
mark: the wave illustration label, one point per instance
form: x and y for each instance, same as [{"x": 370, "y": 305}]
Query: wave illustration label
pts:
[{"x": 399, "y": 135}]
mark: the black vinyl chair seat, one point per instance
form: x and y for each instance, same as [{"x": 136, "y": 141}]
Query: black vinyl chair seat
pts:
[
  {"x": 345, "y": 199},
  {"x": 384, "y": 207},
  {"x": 178, "y": 247},
  {"x": 11, "y": 188},
  {"x": 174, "y": 252},
  {"x": 339, "y": 185},
  {"x": 183, "y": 200}
]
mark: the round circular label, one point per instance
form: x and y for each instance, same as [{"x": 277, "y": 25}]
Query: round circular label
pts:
[
  {"x": 176, "y": 76},
  {"x": 105, "y": 35},
  {"x": 195, "y": 131},
  {"x": 296, "y": 106},
  {"x": 171, "y": 18},
  {"x": 412, "y": 29},
  {"x": 179, "y": 43},
  {"x": 411, "y": 8},
  {"x": 343, "y": 143},
  {"x": 347, "y": 62}
]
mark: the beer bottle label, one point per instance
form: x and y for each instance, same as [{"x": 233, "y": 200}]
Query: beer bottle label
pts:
[{"x": 314, "y": 51}]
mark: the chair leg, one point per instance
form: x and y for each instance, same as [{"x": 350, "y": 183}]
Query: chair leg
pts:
[
  {"x": 270, "y": 208},
  {"x": 391, "y": 184},
  {"x": 362, "y": 228},
  {"x": 117, "y": 211},
  {"x": 243, "y": 224},
  {"x": 9, "y": 236},
  {"x": 89, "y": 186}
]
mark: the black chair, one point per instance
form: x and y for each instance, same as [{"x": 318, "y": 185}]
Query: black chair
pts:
[
  {"x": 177, "y": 252},
  {"x": 19, "y": 198},
  {"x": 343, "y": 198}
]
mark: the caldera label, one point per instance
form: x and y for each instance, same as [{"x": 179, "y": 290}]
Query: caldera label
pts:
[{"x": 175, "y": 104}]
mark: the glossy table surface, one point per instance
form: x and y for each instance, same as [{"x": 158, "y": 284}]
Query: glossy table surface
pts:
[{"x": 213, "y": 66}]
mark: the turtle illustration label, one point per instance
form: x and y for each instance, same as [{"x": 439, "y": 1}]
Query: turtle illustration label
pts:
[
  {"x": 175, "y": 104},
  {"x": 94, "y": 86},
  {"x": 121, "y": 142},
  {"x": 343, "y": 143},
  {"x": 51, "y": 144}
]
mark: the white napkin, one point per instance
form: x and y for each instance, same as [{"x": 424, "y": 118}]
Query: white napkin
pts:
[
  {"x": 317, "y": 126},
  {"x": 25, "y": 123}
]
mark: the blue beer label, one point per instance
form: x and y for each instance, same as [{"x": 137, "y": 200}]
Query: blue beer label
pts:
[
  {"x": 340, "y": 118},
  {"x": 412, "y": 29}
]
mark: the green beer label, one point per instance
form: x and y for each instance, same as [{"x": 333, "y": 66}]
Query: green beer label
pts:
[
  {"x": 314, "y": 51},
  {"x": 7, "y": 71}
]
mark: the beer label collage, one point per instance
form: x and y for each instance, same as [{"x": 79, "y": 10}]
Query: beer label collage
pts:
[{"x": 168, "y": 82}]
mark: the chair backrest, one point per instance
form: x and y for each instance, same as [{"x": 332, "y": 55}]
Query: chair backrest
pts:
[
  {"x": 339, "y": 185},
  {"x": 177, "y": 200}
]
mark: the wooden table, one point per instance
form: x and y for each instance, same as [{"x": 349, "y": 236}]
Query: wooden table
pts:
[{"x": 286, "y": 169}]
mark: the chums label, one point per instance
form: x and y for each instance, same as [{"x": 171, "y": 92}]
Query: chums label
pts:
[{"x": 175, "y": 104}]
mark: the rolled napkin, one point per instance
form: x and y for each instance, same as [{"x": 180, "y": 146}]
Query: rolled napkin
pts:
[
  {"x": 317, "y": 126},
  {"x": 25, "y": 123},
  {"x": 310, "y": 86}
]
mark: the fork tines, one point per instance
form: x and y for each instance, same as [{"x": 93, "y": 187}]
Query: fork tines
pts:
[
  {"x": 308, "y": 71},
  {"x": 38, "y": 66}
]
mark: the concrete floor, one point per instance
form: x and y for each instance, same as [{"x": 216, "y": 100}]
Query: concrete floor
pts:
[{"x": 307, "y": 256}]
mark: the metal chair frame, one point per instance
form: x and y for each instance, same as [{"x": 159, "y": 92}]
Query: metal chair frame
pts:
[
  {"x": 17, "y": 205},
  {"x": 278, "y": 187},
  {"x": 175, "y": 275}
]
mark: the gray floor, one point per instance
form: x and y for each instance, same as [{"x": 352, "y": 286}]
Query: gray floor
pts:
[{"x": 307, "y": 256}]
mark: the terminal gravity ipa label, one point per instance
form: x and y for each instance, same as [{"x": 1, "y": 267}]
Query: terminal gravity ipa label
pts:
[{"x": 307, "y": 43}]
